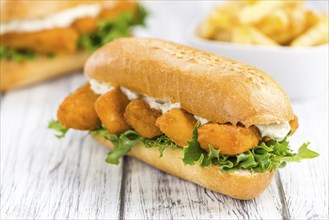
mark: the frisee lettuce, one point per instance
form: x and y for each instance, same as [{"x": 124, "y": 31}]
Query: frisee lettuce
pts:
[
  {"x": 194, "y": 153},
  {"x": 109, "y": 30},
  {"x": 267, "y": 156},
  {"x": 124, "y": 142},
  {"x": 55, "y": 125},
  {"x": 11, "y": 54},
  {"x": 161, "y": 142}
]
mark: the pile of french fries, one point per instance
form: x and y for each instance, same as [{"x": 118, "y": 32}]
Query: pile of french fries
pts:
[{"x": 260, "y": 22}]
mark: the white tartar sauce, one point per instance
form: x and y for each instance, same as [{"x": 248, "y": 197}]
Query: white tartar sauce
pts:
[
  {"x": 275, "y": 131},
  {"x": 160, "y": 105},
  {"x": 102, "y": 87},
  {"x": 61, "y": 19},
  {"x": 131, "y": 95},
  {"x": 99, "y": 87},
  {"x": 202, "y": 120}
]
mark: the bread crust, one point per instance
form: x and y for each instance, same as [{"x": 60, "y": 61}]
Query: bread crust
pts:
[
  {"x": 27, "y": 9},
  {"x": 239, "y": 185},
  {"x": 207, "y": 85},
  {"x": 15, "y": 74}
]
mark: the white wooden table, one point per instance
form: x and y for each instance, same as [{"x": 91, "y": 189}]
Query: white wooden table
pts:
[{"x": 46, "y": 178}]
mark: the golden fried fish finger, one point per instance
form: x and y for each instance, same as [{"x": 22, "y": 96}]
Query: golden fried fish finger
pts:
[
  {"x": 77, "y": 111},
  {"x": 142, "y": 118},
  {"x": 57, "y": 40},
  {"x": 293, "y": 125},
  {"x": 230, "y": 139},
  {"x": 110, "y": 108},
  {"x": 178, "y": 125}
]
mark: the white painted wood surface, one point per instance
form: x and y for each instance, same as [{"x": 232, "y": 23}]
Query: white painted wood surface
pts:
[{"x": 46, "y": 178}]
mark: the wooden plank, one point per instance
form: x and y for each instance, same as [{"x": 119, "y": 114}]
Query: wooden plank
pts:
[
  {"x": 305, "y": 184},
  {"x": 152, "y": 194},
  {"x": 46, "y": 178}
]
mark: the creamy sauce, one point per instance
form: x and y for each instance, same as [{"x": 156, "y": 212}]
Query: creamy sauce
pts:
[
  {"x": 61, "y": 19},
  {"x": 99, "y": 87},
  {"x": 160, "y": 105},
  {"x": 202, "y": 120},
  {"x": 131, "y": 95},
  {"x": 275, "y": 131}
]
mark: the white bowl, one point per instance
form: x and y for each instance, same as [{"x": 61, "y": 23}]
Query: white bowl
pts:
[{"x": 302, "y": 72}]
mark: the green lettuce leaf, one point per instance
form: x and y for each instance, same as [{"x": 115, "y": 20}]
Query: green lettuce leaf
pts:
[
  {"x": 55, "y": 125},
  {"x": 267, "y": 156},
  {"x": 193, "y": 152},
  {"x": 109, "y": 30},
  {"x": 161, "y": 142},
  {"x": 11, "y": 54},
  {"x": 122, "y": 145},
  {"x": 140, "y": 16},
  {"x": 124, "y": 142}
]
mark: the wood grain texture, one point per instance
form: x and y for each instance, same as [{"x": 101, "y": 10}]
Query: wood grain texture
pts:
[
  {"x": 46, "y": 178},
  {"x": 152, "y": 194},
  {"x": 305, "y": 184}
]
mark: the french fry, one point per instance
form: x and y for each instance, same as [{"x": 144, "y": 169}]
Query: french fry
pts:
[
  {"x": 250, "y": 35},
  {"x": 274, "y": 23},
  {"x": 296, "y": 24},
  {"x": 316, "y": 35},
  {"x": 242, "y": 35},
  {"x": 323, "y": 40},
  {"x": 311, "y": 18},
  {"x": 256, "y": 12},
  {"x": 223, "y": 16},
  {"x": 207, "y": 29},
  {"x": 223, "y": 35},
  {"x": 266, "y": 22}
]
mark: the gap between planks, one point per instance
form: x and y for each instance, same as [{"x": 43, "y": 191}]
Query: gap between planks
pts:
[
  {"x": 123, "y": 188},
  {"x": 282, "y": 195}
]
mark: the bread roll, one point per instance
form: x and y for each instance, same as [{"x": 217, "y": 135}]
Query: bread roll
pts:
[
  {"x": 16, "y": 74},
  {"x": 240, "y": 185},
  {"x": 207, "y": 85}
]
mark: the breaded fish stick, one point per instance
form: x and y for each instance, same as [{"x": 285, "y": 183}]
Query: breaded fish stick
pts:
[
  {"x": 293, "y": 125},
  {"x": 77, "y": 110},
  {"x": 85, "y": 25},
  {"x": 110, "y": 108},
  {"x": 59, "y": 40},
  {"x": 230, "y": 139},
  {"x": 142, "y": 118},
  {"x": 178, "y": 125},
  {"x": 116, "y": 9}
]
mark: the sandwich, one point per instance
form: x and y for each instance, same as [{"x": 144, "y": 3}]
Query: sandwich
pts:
[
  {"x": 204, "y": 118},
  {"x": 43, "y": 39}
]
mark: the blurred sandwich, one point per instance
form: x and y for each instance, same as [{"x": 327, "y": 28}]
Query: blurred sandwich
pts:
[{"x": 43, "y": 39}]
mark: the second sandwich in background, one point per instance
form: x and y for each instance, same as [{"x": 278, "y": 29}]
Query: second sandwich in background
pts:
[{"x": 43, "y": 39}]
